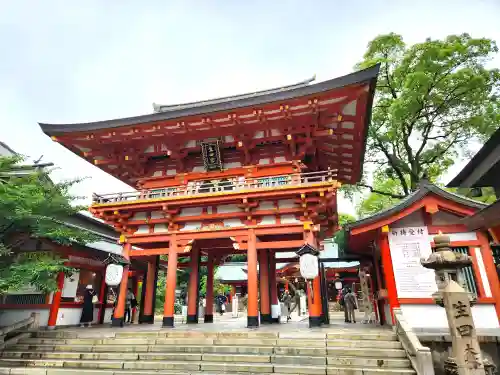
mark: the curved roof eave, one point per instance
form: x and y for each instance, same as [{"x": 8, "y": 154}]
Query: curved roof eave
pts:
[
  {"x": 424, "y": 189},
  {"x": 368, "y": 75}
]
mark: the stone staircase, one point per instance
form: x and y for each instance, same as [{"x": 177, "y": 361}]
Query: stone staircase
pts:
[{"x": 106, "y": 351}]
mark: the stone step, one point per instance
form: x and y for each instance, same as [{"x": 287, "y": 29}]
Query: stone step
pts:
[
  {"x": 174, "y": 361},
  {"x": 367, "y": 371},
  {"x": 364, "y": 344},
  {"x": 291, "y": 370},
  {"x": 187, "y": 366},
  {"x": 368, "y": 362},
  {"x": 368, "y": 334}
]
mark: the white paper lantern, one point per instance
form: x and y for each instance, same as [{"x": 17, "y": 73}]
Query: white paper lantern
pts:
[
  {"x": 309, "y": 266},
  {"x": 114, "y": 273}
]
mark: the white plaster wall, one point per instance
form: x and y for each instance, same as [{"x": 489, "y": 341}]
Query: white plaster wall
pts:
[
  {"x": 266, "y": 220},
  {"x": 142, "y": 229},
  {"x": 157, "y": 173},
  {"x": 482, "y": 271},
  {"x": 433, "y": 316},
  {"x": 191, "y": 211},
  {"x": 199, "y": 168},
  {"x": 233, "y": 223},
  {"x": 275, "y": 132},
  {"x": 279, "y": 159},
  {"x": 160, "y": 228},
  {"x": 234, "y": 164},
  {"x": 8, "y": 317},
  {"x": 228, "y": 208},
  {"x": 266, "y": 205},
  {"x": 259, "y": 134},
  {"x": 139, "y": 216},
  {"x": 286, "y": 203},
  {"x": 194, "y": 225},
  {"x": 264, "y": 161},
  {"x": 289, "y": 219},
  {"x": 171, "y": 172},
  {"x": 157, "y": 215},
  {"x": 414, "y": 219},
  {"x": 350, "y": 108},
  {"x": 71, "y": 316},
  {"x": 229, "y": 138}
]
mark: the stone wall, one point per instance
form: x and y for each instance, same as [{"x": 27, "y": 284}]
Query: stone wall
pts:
[{"x": 441, "y": 346}]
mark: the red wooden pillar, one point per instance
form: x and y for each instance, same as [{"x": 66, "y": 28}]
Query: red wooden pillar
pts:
[
  {"x": 286, "y": 285},
  {"x": 168, "y": 310},
  {"x": 265, "y": 306},
  {"x": 491, "y": 272},
  {"x": 118, "y": 316},
  {"x": 253, "y": 293},
  {"x": 56, "y": 302},
  {"x": 390, "y": 282},
  {"x": 194, "y": 265},
  {"x": 102, "y": 297},
  {"x": 209, "y": 298},
  {"x": 273, "y": 284},
  {"x": 313, "y": 296},
  {"x": 149, "y": 295},
  {"x": 135, "y": 290}
]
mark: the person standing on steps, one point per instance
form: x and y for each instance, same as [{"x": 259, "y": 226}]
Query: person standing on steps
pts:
[
  {"x": 89, "y": 298},
  {"x": 350, "y": 305},
  {"x": 287, "y": 301},
  {"x": 128, "y": 305}
]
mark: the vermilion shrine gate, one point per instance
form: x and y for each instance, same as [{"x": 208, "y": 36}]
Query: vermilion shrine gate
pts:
[{"x": 255, "y": 173}]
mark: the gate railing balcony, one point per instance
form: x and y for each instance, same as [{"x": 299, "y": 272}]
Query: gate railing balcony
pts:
[{"x": 227, "y": 186}]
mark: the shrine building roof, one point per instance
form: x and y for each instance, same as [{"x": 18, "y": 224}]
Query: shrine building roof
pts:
[
  {"x": 483, "y": 170},
  {"x": 410, "y": 204},
  {"x": 323, "y": 124}
]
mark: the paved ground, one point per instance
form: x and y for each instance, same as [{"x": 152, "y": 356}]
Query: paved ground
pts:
[{"x": 227, "y": 323}]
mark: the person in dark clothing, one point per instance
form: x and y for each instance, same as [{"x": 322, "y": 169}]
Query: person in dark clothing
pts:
[
  {"x": 221, "y": 303},
  {"x": 287, "y": 301},
  {"x": 130, "y": 303},
  {"x": 88, "y": 307}
]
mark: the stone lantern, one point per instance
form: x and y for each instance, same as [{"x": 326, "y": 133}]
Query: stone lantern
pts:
[{"x": 466, "y": 356}]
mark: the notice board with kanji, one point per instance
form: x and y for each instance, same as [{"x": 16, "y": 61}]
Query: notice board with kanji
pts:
[{"x": 408, "y": 246}]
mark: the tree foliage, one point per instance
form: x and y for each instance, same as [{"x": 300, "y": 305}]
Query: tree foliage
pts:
[
  {"x": 33, "y": 207},
  {"x": 432, "y": 99}
]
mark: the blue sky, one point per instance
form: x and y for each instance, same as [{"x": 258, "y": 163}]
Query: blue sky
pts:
[{"x": 68, "y": 61}]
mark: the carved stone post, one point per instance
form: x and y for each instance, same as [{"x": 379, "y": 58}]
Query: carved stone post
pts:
[{"x": 466, "y": 356}]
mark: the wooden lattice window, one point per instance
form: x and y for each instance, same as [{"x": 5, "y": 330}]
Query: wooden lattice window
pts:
[{"x": 467, "y": 273}]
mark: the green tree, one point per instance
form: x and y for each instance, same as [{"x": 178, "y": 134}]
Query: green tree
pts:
[
  {"x": 432, "y": 100},
  {"x": 340, "y": 237},
  {"x": 375, "y": 202},
  {"x": 32, "y": 207}
]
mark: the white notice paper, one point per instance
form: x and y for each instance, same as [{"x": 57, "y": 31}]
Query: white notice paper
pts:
[{"x": 408, "y": 246}]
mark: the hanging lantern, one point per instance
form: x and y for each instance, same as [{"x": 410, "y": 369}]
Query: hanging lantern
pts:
[{"x": 114, "y": 273}]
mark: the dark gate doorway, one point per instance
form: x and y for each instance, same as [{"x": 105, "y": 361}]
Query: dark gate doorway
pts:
[{"x": 325, "y": 314}]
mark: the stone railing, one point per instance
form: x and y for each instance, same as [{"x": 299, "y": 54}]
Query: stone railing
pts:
[
  {"x": 32, "y": 322},
  {"x": 227, "y": 186},
  {"x": 419, "y": 355}
]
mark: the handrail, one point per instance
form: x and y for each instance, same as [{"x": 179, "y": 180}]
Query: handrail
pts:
[
  {"x": 32, "y": 322},
  {"x": 420, "y": 356},
  {"x": 233, "y": 184}
]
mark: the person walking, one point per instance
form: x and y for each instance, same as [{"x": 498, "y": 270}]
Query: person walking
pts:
[
  {"x": 350, "y": 305},
  {"x": 221, "y": 303},
  {"x": 287, "y": 302},
  {"x": 89, "y": 298},
  {"x": 128, "y": 305}
]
